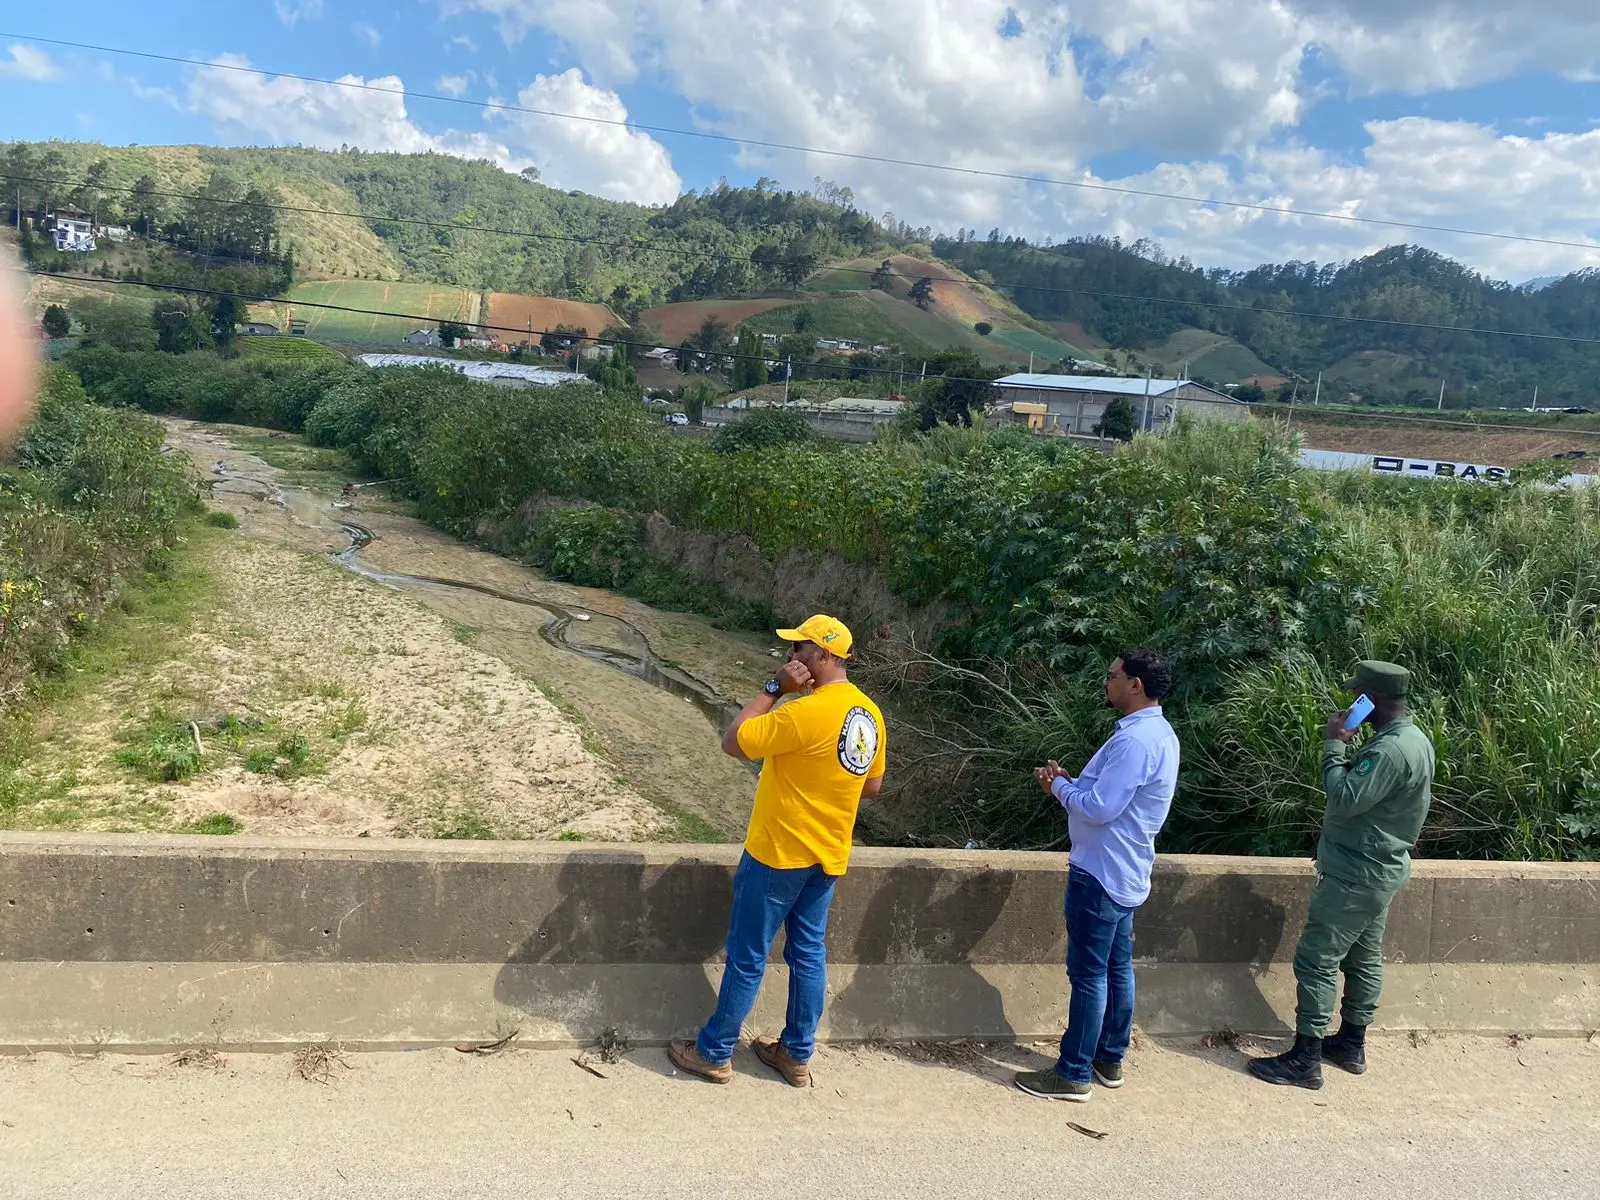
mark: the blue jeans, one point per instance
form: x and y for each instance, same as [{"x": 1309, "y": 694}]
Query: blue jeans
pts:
[
  {"x": 763, "y": 899},
  {"x": 1100, "y": 969}
]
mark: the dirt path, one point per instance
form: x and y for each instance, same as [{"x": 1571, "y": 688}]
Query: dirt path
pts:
[{"x": 648, "y": 687}]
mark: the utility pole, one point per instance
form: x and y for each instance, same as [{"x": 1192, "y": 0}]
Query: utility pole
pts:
[
  {"x": 788, "y": 371},
  {"x": 1441, "y": 396},
  {"x": 1534, "y": 407},
  {"x": 1030, "y": 362},
  {"x": 1317, "y": 399}
]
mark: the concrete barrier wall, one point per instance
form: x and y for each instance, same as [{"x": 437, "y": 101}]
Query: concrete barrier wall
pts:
[{"x": 145, "y": 942}]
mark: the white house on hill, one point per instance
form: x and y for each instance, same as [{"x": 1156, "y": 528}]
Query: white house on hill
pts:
[{"x": 71, "y": 230}]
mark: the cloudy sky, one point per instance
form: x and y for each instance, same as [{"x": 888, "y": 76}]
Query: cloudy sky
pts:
[{"x": 1469, "y": 114}]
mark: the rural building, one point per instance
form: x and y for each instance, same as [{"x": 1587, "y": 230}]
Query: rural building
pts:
[
  {"x": 297, "y": 327},
  {"x": 502, "y": 374},
  {"x": 256, "y": 328},
  {"x": 422, "y": 337},
  {"x": 1075, "y": 403},
  {"x": 70, "y": 230}
]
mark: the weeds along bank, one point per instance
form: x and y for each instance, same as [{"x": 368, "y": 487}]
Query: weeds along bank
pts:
[
  {"x": 87, "y": 499},
  {"x": 1260, "y": 580}
]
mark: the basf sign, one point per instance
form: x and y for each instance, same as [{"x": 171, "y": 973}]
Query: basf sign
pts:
[
  {"x": 1410, "y": 468},
  {"x": 1432, "y": 468}
]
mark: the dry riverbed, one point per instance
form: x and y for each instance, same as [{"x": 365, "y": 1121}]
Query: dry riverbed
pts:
[{"x": 428, "y": 698}]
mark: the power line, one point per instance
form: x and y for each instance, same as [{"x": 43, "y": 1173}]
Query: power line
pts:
[
  {"x": 1487, "y": 429},
  {"x": 1216, "y": 305},
  {"x": 970, "y": 172}
]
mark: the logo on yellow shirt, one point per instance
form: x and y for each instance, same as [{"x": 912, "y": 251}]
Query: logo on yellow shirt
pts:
[{"x": 858, "y": 741}]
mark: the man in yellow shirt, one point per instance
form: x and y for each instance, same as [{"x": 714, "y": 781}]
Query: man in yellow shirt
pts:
[{"x": 821, "y": 753}]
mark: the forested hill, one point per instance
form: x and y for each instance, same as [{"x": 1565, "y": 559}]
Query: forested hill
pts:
[
  {"x": 1393, "y": 363},
  {"x": 725, "y": 241}
]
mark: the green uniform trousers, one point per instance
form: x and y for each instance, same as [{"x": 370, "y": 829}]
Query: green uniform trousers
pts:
[{"x": 1344, "y": 931}]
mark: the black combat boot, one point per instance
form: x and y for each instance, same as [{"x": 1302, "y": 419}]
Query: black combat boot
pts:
[
  {"x": 1347, "y": 1048},
  {"x": 1301, "y": 1066}
]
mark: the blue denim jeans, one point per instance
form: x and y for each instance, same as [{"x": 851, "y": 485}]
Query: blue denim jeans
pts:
[
  {"x": 1100, "y": 969},
  {"x": 764, "y": 899}
]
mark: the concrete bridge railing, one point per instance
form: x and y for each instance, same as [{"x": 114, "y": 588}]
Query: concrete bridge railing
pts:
[{"x": 146, "y": 942}]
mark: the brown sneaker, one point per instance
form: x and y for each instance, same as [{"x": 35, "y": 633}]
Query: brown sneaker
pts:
[
  {"x": 772, "y": 1052},
  {"x": 687, "y": 1059}
]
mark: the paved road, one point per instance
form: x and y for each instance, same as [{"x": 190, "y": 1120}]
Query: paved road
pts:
[{"x": 1449, "y": 1118}]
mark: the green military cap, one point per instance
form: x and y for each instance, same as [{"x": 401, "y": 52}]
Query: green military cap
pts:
[{"x": 1379, "y": 678}]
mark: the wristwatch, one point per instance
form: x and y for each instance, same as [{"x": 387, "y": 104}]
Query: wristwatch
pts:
[{"x": 774, "y": 688}]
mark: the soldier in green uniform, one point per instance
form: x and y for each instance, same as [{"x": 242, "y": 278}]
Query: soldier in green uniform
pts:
[{"x": 1376, "y": 806}]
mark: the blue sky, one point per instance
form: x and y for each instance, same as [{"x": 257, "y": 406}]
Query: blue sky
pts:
[{"x": 1458, "y": 114}]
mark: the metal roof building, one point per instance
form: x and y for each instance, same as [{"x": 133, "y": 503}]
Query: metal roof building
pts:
[
  {"x": 502, "y": 373},
  {"x": 1075, "y": 403}
]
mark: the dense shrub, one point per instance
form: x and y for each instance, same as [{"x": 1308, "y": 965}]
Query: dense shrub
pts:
[{"x": 86, "y": 498}]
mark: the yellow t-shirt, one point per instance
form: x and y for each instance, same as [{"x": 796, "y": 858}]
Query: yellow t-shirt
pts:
[{"x": 818, "y": 751}]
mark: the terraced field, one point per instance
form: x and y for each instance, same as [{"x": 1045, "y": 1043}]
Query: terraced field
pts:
[{"x": 419, "y": 303}]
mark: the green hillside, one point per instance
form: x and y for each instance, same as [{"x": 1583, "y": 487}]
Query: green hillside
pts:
[{"x": 703, "y": 245}]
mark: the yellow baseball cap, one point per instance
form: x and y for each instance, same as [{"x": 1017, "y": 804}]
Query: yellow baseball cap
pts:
[{"x": 828, "y": 632}]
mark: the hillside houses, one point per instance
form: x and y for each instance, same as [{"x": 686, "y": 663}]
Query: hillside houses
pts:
[{"x": 70, "y": 230}]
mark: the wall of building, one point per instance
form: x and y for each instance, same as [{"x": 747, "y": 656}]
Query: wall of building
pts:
[
  {"x": 1080, "y": 412},
  {"x": 144, "y": 942}
]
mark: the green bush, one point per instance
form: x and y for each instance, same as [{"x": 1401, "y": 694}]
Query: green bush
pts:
[
  {"x": 222, "y": 519},
  {"x": 762, "y": 429},
  {"x": 592, "y": 547}
]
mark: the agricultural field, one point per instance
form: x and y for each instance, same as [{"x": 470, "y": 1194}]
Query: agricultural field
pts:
[
  {"x": 422, "y": 303},
  {"x": 509, "y": 312},
  {"x": 675, "y": 322},
  {"x": 285, "y": 349}
]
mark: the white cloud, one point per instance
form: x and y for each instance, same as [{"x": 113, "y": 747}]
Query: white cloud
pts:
[
  {"x": 598, "y": 155},
  {"x": 606, "y": 159},
  {"x": 367, "y": 34},
  {"x": 292, "y": 12},
  {"x": 454, "y": 85},
  {"x": 1045, "y": 89},
  {"x": 248, "y": 105},
  {"x": 1422, "y": 45},
  {"x": 30, "y": 63}
]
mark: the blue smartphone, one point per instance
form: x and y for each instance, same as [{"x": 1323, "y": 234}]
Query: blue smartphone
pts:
[{"x": 1359, "y": 712}]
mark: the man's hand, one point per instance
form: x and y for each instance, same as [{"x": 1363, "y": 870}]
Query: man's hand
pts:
[
  {"x": 1048, "y": 774},
  {"x": 793, "y": 677},
  {"x": 1335, "y": 731}
]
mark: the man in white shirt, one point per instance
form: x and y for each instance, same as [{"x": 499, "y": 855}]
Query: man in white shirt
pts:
[{"x": 1115, "y": 808}]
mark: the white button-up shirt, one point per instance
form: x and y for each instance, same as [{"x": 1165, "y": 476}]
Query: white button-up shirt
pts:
[{"x": 1119, "y": 803}]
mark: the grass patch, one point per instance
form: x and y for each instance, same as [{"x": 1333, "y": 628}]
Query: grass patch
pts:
[
  {"x": 689, "y": 826},
  {"x": 221, "y": 519},
  {"x": 464, "y": 824},
  {"x": 136, "y": 632},
  {"x": 569, "y": 835},
  {"x": 162, "y": 749},
  {"x": 289, "y": 759},
  {"x": 219, "y": 824},
  {"x": 463, "y": 633},
  {"x": 353, "y": 717},
  {"x": 289, "y": 452}
]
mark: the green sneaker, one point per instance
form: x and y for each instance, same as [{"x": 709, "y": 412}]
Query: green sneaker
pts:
[
  {"x": 1049, "y": 1085},
  {"x": 1108, "y": 1074}
]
